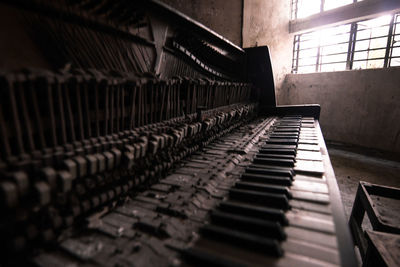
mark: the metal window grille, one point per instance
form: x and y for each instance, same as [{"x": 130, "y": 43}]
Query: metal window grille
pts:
[{"x": 365, "y": 44}]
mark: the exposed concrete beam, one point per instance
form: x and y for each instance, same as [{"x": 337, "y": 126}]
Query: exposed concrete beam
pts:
[{"x": 346, "y": 14}]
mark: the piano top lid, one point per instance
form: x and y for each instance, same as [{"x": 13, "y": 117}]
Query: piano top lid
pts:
[{"x": 189, "y": 22}]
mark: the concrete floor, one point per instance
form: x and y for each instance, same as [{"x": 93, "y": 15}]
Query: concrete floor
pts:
[{"x": 351, "y": 167}]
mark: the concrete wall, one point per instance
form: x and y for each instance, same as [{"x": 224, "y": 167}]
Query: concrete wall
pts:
[
  {"x": 222, "y": 16},
  {"x": 360, "y": 107},
  {"x": 267, "y": 23}
]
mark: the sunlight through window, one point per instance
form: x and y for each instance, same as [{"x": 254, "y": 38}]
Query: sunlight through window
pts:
[
  {"x": 332, "y": 4},
  {"x": 373, "y": 43},
  {"x": 305, "y": 8}
]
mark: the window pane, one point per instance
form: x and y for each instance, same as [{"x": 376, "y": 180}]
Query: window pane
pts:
[
  {"x": 357, "y": 65},
  {"x": 334, "y": 49},
  {"x": 307, "y": 69},
  {"x": 307, "y": 61},
  {"x": 363, "y": 55},
  {"x": 395, "y": 53},
  {"x": 308, "y": 53},
  {"x": 307, "y": 8},
  {"x": 331, "y": 4},
  {"x": 370, "y": 64},
  {"x": 380, "y": 53},
  {"x": 371, "y": 44},
  {"x": 333, "y": 58},
  {"x": 396, "y": 43},
  {"x": 395, "y": 62},
  {"x": 334, "y": 67}
]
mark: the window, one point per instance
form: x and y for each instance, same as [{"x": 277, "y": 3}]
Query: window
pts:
[
  {"x": 305, "y": 8},
  {"x": 373, "y": 43}
]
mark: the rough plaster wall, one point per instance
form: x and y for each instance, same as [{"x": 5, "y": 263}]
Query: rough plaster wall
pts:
[
  {"x": 222, "y": 16},
  {"x": 357, "y": 107},
  {"x": 267, "y": 23}
]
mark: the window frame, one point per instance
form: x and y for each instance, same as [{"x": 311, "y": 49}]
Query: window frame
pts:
[{"x": 351, "y": 49}]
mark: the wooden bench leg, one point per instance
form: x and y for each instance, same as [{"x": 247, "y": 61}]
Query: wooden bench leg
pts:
[{"x": 355, "y": 222}]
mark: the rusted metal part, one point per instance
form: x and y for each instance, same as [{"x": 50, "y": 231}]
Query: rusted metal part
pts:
[{"x": 92, "y": 138}]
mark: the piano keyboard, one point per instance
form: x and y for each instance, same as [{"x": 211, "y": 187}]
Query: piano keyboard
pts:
[
  {"x": 278, "y": 212},
  {"x": 256, "y": 197}
]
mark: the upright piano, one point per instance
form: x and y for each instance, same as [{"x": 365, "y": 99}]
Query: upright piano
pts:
[{"x": 132, "y": 135}]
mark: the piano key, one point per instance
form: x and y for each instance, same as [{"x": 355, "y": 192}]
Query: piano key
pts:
[
  {"x": 197, "y": 256},
  {"x": 287, "y": 130},
  {"x": 308, "y": 142},
  {"x": 256, "y": 211},
  {"x": 310, "y": 206},
  {"x": 310, "y": 196},
  {"x": 275, "y": 146},
  {"x": 253, "y": 258},
  {"x": 310, "y": 178},
  {"x": 308, "y": 147},
  {"x": 271, "y": 171},
  {"x": 274, "y": 161},
  {"x": 286, "y": 136},
  {"x": 300, "y": 219},
  {"x": 244, "y": 240},
  {"x": 278, "y": 156},
  {"x": 268, "y": 179},
  {"x": 316, "y": 187},
  {"x": 286, "y": 127},
  {"x": 307, "y": 249},
  {"x": 277, "y": 151},
  {"x": 264, "y": 188},
  {"x": 311, "y": 167},
  {"x": 312, "y": 237},
  {"x": 249, "y": 225},
  {"x": 306, "y": 213},
  {"x": 268, "y": 199},
  {"x": 281, "y": 141},
  {"x": 308, "y": 155},
  {"x": 282, "y": 134}
]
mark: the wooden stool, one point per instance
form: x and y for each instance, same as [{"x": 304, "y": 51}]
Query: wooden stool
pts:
[{"x": 364, "y": 203}]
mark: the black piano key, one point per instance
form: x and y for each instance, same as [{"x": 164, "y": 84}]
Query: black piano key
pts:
[
  {"x": 202, "y": 258},
  {"x": 268, "y": 199},
  {"x": 277, "y": 189},
  {"x": 271, "y": 171},
  {"x": 282, "y": 151},
  {"x": 260, "y": 227},
  {"x": 278, "y": 156},
  {"x": 244, "y": 240},
  {"x": 282, "y": 141},
  {"x": 276, "y": 146},
  {"x": 293, "y": 133},
  {"x": 286, "y": 136},
  {"x": 274, "y": 161},
  {"x": 267, "y": 179},
  {"x": 286, "y": 130},
  {"x": 286, "y": 126},
  {"x": 260, "y": 212}
]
